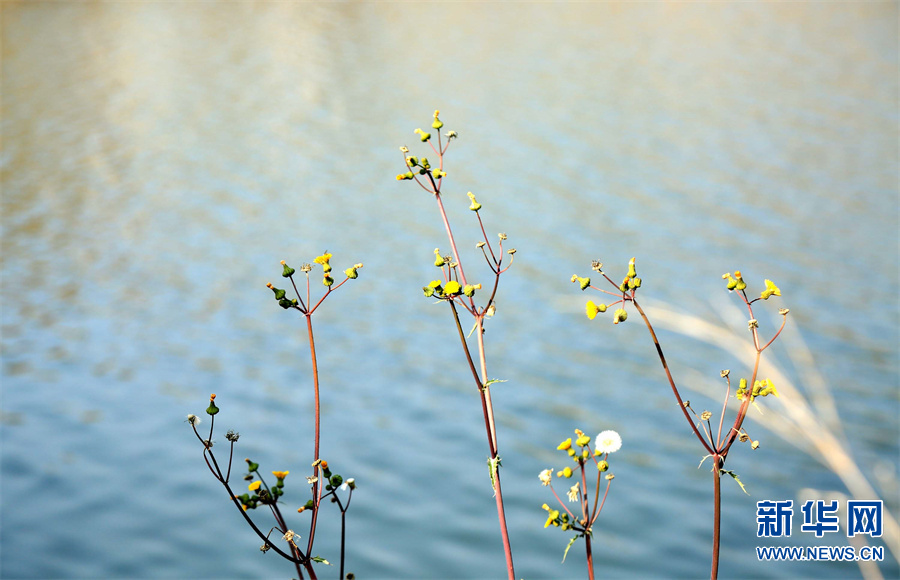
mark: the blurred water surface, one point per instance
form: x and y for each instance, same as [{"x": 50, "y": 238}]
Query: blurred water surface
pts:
[{"x": 159, "y": 159}]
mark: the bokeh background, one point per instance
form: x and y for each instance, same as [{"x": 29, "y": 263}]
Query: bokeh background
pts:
[{"x": 159, "y": 159}]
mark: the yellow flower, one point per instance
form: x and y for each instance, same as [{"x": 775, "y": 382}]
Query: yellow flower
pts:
[
  {"x": 771, "y": 289},
  {"x": 582, "y": 441},
  {"x": 565, "y": 444},
  {"x": 452, "y": 288},
  {"x": 551, "y": 515},
  {"x": 255, "y": 485},
  {"x": 768, "y": 388},
  {"x": 280, "y": 474},
  {"x": 324, "y": 259}
]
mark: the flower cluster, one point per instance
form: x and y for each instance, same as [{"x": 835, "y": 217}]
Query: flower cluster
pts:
[
  {"x": 262, "y": 493},
  {"x": 582, "y": 518},
  {"x": 626, "y": 292},
  {"x": 298, "y": 303}
]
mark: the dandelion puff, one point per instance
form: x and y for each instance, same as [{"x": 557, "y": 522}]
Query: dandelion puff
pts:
[{"x": 608, "y": 442}]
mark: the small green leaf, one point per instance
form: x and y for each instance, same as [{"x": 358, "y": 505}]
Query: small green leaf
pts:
[
  {"x": 572, "y": 541},
  {"x": 491, "y": 382},
  {"x": 321, "y": 560},
  {"x": 736, "y": 478},
  {"x": 493, "y": 465}
]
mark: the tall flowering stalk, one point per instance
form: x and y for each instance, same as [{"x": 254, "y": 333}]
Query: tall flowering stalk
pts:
[
  {"x": 456, "y": 290},
  {"x": 324, "y": 484},
  {"x": 582, "y": 518},
  {"x": 716, "y": 443}
]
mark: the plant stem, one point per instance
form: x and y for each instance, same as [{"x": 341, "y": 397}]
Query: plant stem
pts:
[
  {"x": 462, "y": 275},
  {"x": 315, "y": 490},
  {"x": 343, "y": 538},
  {"x": 489, "y": 427},
  {"x": 590, "y": 557},
  {"x": 717, "y": 518},
  {"x": 662, "y": 360},
  {"x": 484, "y": 390}
]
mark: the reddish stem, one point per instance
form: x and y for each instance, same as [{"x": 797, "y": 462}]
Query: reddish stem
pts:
[
  {"x": 315, "y": 490},
  {"x": 717, "y": 517},
  {"x": 590, "y": 557},
  {"x": 662, "y": 360}
]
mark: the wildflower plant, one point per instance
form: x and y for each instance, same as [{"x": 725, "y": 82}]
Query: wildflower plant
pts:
[
  {"x": 452, "y": 287},
  {"x": 323, "y": 483},
  {"x": 588, "y": 461},
  {"x": 716, "y": 443}
]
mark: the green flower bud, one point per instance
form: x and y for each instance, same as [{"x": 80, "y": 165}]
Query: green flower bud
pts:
[
  {"x": 327, "y": 280},
  {"x": 475, "y": 205},
  {"x": 212, "y": 409},
  {"x": 413, "y": 161},
  {"x": 424, "y": 136},
  {"x": 620, "y": 315},
  {"x": 636, "y": 282},
  {"x": 251, "y": 466},
  {"x": 742, "y": 389},
  {"x": 602, "y": 465},
  {"x": 279, "y": 293},
  {"x": 438, "y": 258},
  {"x": 285, "y": 303},
  {"x": 469, "y": 289},
  {"x": 336, "y": 480},
  {"x": 623, "y": 287},
  {"x": 631, "y": 270},
  {"x": 288, "y": 271},
  {"x": 437, "y": 124},
  {"x": 428, "y": 291}
]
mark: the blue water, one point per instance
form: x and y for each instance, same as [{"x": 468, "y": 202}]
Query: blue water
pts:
[{"x": 159, "y": 159}]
